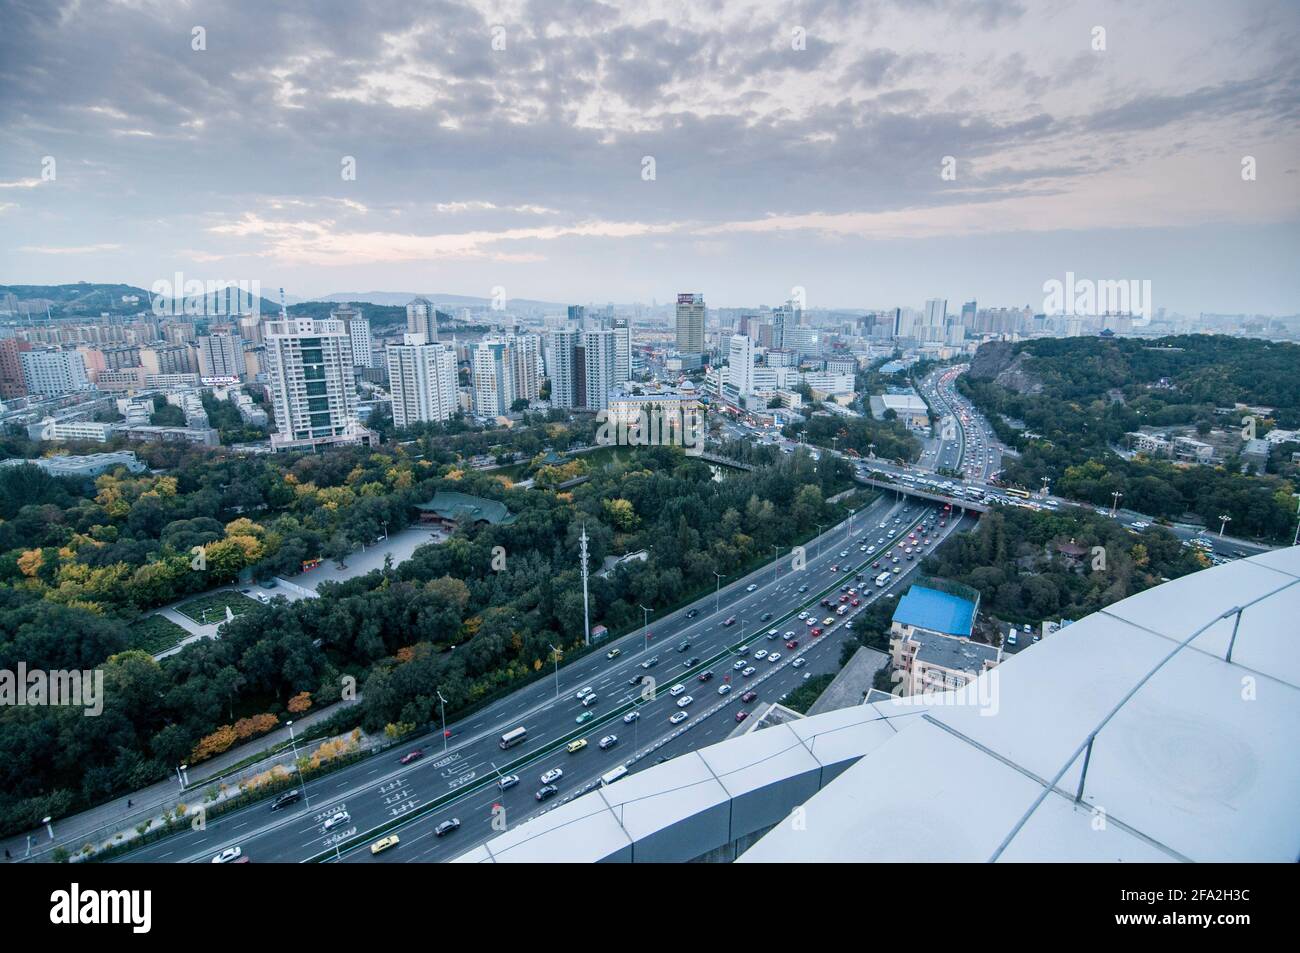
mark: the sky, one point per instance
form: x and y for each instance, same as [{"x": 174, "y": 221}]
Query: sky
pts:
[{"x": 873, "y": 153}]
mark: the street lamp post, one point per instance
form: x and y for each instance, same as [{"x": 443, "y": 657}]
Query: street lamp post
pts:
[
  {"x": 819, "y": 539},
  {"x": 1117, "y": 496},
  {"x": 851, "y": 512},
  {"x": 1223, "y": 524},
  {"x": 717, "y": 590},
  {"x": 776, "y": 561},
  {"x": 555, "y": 655},
  {"x": 442, "y": 703},
  {"x": 294, "y": 745},
  {"x": 645, "y": 627}
]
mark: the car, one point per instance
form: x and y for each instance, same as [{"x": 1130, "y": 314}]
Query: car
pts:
[
  {"x": 583, "y": 693},
  {"x": 678, "y": 718},
  {"x": 553, "y": 775},
  {"x": 577, "y": 745},
  {"x": 1140, "y": 524},
  {"x": 631, "y": 717},
  {"x": 844, "y": 598},
  {"x": 774, "y": 657},
  {"x": 549, "y": 790},
  {"x": 855, "y": 601},
  {"x": 613, "y": 653},
  {"x": 635, "y": 680},
  {"x": 729, "y": 620},
  {"x": 826, "y": 602},
  {"x": 381, "y": 845},
  {"x": 677, "y": 690},
  {"x": 287, "y": 798},
  {"x": 749, "y": 696},
  {"x": 339, "y": 817},
  {"x": 792, "y": 644},
  {"x": 228, "y": 856},
  {"x": 803, "y": 588},
  {"x": 747, "y": 671},
  {"x": 843, "y": 553},
  {"x": 585, "y": 717},
  {"x": 410, "y": 756},
  {"x": 876, "y": 564},
  {"x": 828, "y": 621},
  {"x": 684, "y": 647},
  {"x": 765, "y": 616},
  {"x": 724, "y": 689},
  {"x": 705, "y": 676},
  {"x": 751, "y": 587},
  {"x": 693, "y": 613},
  {"x": 897, "y": 569},
  {"x": 691, "y": 662},
  {"x": 738, "y": 665},
  {"x": 810, "y": 623},
  {"x": 835, "y": 568},
  {"x": 816, "y": 632},
  {"x": 684, "y": 701},
  {"x": 650, "y": 662},
  {"x": 589, "y": 701},
  {"x": 506, "y": 783},
  {"x": 742, "y": 715},
  {"x": 760, "y": 654},
  {"x": 803, "y": 615}
]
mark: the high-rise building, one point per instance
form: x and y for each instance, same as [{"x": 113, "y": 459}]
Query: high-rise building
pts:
[
  {"x": 622, "y": 350},
  {"x": 525, "y": 365},
  {"x": 422, "y": 380},
  {"x": 492, "y": 377},
  {"x": 583, "y": 369},
  {"x": 740, "y": 364},
  {"x": 422, "y": 318},
  {"x": 168, "y": 359},
  {"x": 358, "y": 326},
  {"x": 12, "y": 382},
  {"x": 221, "y": 355},
  {"x": 968, "y": 313},
  {"x": 313, "y": 394},
  {"x": 690, "y": 323},
  {"x": 51, "y": 373}
]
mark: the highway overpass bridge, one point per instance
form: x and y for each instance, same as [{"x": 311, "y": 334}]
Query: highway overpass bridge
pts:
[{"x": 958, "y": 503}]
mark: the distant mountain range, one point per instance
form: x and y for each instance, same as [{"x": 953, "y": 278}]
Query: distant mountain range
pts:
[
  {"x": 444, "y": 301},
  {"x": 84, "y": 299}
]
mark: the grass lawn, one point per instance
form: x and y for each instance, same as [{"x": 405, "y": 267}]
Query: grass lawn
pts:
[
  {"x": 211, "y": 608},
  {"x": 155, "y": 634}
]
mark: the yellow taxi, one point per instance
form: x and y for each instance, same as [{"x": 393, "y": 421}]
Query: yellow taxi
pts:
[
  {"x": 576, "y": 746},
  {"x": 379, "y": 846}
]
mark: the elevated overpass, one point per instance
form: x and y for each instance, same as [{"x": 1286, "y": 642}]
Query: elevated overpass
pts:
[{"x": 958, "y": 502}]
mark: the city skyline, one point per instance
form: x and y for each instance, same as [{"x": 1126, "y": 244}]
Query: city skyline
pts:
[{"x": 475, "y": 150}]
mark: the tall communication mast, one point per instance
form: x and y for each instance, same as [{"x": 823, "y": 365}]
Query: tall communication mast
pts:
[{"x": 586, "y": 611}]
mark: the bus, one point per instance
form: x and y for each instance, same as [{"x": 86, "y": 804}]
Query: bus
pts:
[
  {"x": 1016, "y": 491},
  {"x": 608, "y": 779},
  {"x": 513, "y": 737},
  {"x": 882, "y": 579}
]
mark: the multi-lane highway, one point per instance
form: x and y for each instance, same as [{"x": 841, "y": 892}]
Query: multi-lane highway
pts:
[{"x": 462, "y": 781}]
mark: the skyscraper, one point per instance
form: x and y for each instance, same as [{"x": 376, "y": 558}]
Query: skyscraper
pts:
[
  {"x": 525, "y": 360},
  {"x": 422, "y": 318},
  {"x": 221, "y": 355},
  {"x": 740, "y": 364},
  {"x": 582, "y": 368},
  {"x": 358, "y": 327},
  {"x": 622, "y": 350},
  {"x": 690, "y": 323},
  {"x": 422, "y": 380},
  {"x": 313, "y": 394}
]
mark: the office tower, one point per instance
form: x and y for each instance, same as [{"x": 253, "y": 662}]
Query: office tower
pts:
[
  {"x": 562, "y": 349},
  {"x": 221, "y": 355},
  {"x": 313, "y": 394},
  {"x": 740, "y": 364},
  {"x": 12, "y": 382},
  {"x": 622, "y": 350},
  {"x": 422, "y": 318},
  {"x": 936, "y": 314},
  {"x": 525, "y": 365},
  {"x": 786, "y": 316},
  {"x": 690, "y": 323},
  {"x": 359, "y": 334},
  {"x": 492, "y": 377},
  {"x": 804, "y": 340},
  {"x": 51, "y": 373},
  {"x": 577, "y": 316},
  {"x": 422, "y": 380},
  {"x": 968, "y": 312}
]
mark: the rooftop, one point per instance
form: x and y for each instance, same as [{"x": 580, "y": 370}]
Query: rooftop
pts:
[
  {"x": 450, "y": 505},
  {"x": 936, "y": 611}
]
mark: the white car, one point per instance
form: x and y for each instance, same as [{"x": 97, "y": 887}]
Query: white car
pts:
[
  {"x": 678, "y": 718},
  {"x": 761, "y": 653},
  {"x": 583, "y": 693},
  {"x": 748, "y": 671},
  {"x": 803, "y": 615},
  {"x": 810, "y": 622},
  {"x": 676, "y": 690},
  {"x": 229, "y": 855},
  {"x": 341, "y": 817},
  {"x": 774, "y": 657},
  {"x": 631, "y": 717},
  {"x": 552, "y": 775},
  {"x": 738, "y": 666},
  {"x": 800, "y": 662},
  {"x": 724, "y": 689},
  {"x": 684, "y": 701},
  {"x": 1141, "y": 525},
  {"x": 751, "y": 587},
  {"x": 843, "y": 553}
]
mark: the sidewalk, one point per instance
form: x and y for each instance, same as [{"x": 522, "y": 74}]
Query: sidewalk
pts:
[{"x": 75, "y": 829}]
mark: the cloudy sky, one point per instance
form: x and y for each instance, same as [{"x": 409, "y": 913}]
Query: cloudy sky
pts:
[{"x": 581, "y": 151}]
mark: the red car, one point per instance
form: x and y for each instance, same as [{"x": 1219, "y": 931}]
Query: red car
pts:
[
  {"x": 835, "y": 568},
  {"x": 742, "y": 715},
  {"x": 792, "y": 644},
  {"x": 876, "y": 564},
  {"x": 748, "y": 697},
  {"x": 855, "y": 602},
  {"x": 415, "y": 755},
  {"x": 844, "y": 598},
  {"x": 816, "y": 632}
]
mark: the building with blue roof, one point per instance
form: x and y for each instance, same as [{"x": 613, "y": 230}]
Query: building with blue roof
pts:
[{"x": 935, "y": 611}]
